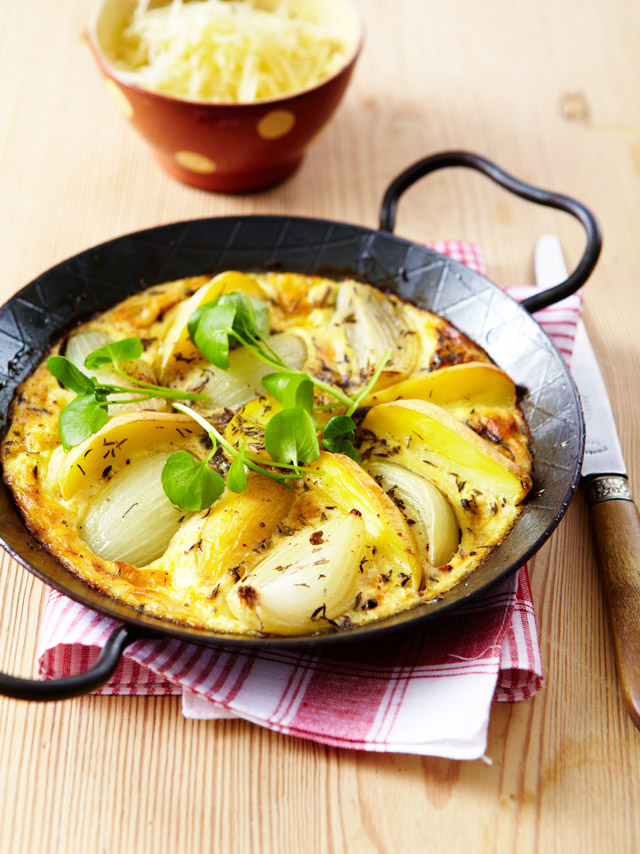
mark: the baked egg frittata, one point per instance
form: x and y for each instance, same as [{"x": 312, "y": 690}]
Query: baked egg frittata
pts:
[{"x": 413, "y": 468}]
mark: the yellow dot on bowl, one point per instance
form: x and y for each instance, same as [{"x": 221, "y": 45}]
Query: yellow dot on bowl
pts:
[
  {"x": 275, "y": 124},
  {"x": 195, "y": 162},
  {"x": 123, "y": 104}
]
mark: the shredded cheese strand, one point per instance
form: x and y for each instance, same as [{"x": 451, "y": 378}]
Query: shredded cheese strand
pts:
[{"x": 226, "y": 50}]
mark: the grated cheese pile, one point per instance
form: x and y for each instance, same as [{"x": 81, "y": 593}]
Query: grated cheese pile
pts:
[{"x": 225, "y": 50}]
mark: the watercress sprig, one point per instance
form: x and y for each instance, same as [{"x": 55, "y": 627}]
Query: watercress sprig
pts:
[
  {"x": 289, "y": 434},
  {"x": 88, "y": 411},
  {"x": 245, "y": 320},
  {"x": 188, "y": 484}
]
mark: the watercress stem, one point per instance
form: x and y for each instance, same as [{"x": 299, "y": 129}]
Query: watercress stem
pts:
[
  {"x": 262, "y": 461},
  {"x": 325, "y": 408},
  {"x": 334, "y": 392},
  {"x": 150, "y": 389},
  {"x": 259, "y": 353},
  {"x": 249, "y": 457},
  {"x": 274, "y": 355},
  {"x": 282, "y": 367},
  {"x": 355, "y": 403},
  {"x": 127, "y": 400}
]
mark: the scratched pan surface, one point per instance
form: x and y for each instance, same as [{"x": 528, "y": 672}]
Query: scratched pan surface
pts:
[{"x": 68, "y": 294}]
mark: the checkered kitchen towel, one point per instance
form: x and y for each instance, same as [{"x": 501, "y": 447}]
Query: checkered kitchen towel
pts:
[{"x": 426, "y": 691}]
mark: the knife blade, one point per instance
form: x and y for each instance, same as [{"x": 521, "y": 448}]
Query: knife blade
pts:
[
  {"x": 602, "y": 447},
  {"x": 615, "y": 523}
]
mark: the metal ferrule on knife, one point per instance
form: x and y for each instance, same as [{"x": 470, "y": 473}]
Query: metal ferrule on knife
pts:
[{"x": 606, "y": 487}]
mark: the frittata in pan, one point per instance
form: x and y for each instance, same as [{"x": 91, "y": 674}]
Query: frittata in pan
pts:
[{"x": 268, "y": 453}]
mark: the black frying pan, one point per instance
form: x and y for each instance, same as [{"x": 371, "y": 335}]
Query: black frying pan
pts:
[{"x": 38, "y": 315}]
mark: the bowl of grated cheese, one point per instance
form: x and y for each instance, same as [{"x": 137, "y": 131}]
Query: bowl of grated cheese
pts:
[{"x": 229, "y": 93}]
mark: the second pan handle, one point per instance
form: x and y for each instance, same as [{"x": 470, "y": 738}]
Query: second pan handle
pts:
[
  {"x": 468, "y": 159},
  {"x": 80, "y": 683}
]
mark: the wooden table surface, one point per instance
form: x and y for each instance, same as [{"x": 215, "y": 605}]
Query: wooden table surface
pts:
[{"x": 551, "y": 91}]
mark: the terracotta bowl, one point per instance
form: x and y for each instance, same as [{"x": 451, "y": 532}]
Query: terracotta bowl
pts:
[{"x": 229, "y": 148}]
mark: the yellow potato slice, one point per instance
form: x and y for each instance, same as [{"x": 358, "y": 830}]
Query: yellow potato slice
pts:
[
  {"x": 454, "y": 387},
  {"x": 177, "y": 345},
  {"x": 442, "y": 443},
  {"x": 249, "y": 424},
  {"x": 115, "y": 444},
  {"x": 212, "y": 550}
]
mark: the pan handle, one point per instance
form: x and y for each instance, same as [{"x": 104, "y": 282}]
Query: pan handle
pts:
[
  {"x": 81, "y": 683},
  {"x": 445, "y": 159}
]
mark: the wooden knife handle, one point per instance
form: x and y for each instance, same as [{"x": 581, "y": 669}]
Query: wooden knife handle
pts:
[{"x": 615, "y": 526}]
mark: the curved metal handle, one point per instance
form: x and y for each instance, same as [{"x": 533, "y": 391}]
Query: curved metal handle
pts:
[
  {"x": 445, "y": 159},
  {"x": 81, "y": 683}
]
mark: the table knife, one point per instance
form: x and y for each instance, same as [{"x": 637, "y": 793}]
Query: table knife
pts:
[{"x": 615, "y": 524}]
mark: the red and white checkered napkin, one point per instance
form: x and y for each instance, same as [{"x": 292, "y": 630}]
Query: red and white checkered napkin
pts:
[{"x": 426, "y": 690}]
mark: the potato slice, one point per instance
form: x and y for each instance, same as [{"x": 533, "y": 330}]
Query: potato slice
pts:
[
  {"x": 177, "y": 348},
  {"x": 345, "y": 484},
  {"x": 436, "y": 441},
  {"x": 304, "y": 583},
  {"x": 456, "y": 387},
  {"x": 212, "y": 550},
  {"x": 136, "y": 433},
  {"x": 249, "y": 423}
]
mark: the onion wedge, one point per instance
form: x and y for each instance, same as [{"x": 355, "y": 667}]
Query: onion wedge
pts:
[
  {"x": 243, "y": 380},
  {"x": 372, "y": 323},
  {"x": 131, "y": 519},
  {"x": 436, "y": 527},
  {"x": 305, "y": 583}
]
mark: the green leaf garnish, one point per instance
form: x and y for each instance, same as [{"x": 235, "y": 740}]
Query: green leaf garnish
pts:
[
  {"x": 210, "y": 327},
  {"x": 190, "y": 484},
  {"x": 88, "y": 412},
  {"x": 237, "y": 476},
  {"x": 339, "y": 436},
  {"x": 118, "y": 351},
  {"x": 71, "y": 377},
  {"x": 290, "y": 437},
  {"x": 290, "y": 389},
  {"x": 81, "y": 418},
  {"x": 234, "y": 316},
  {"x": 252, "y": 315}
]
